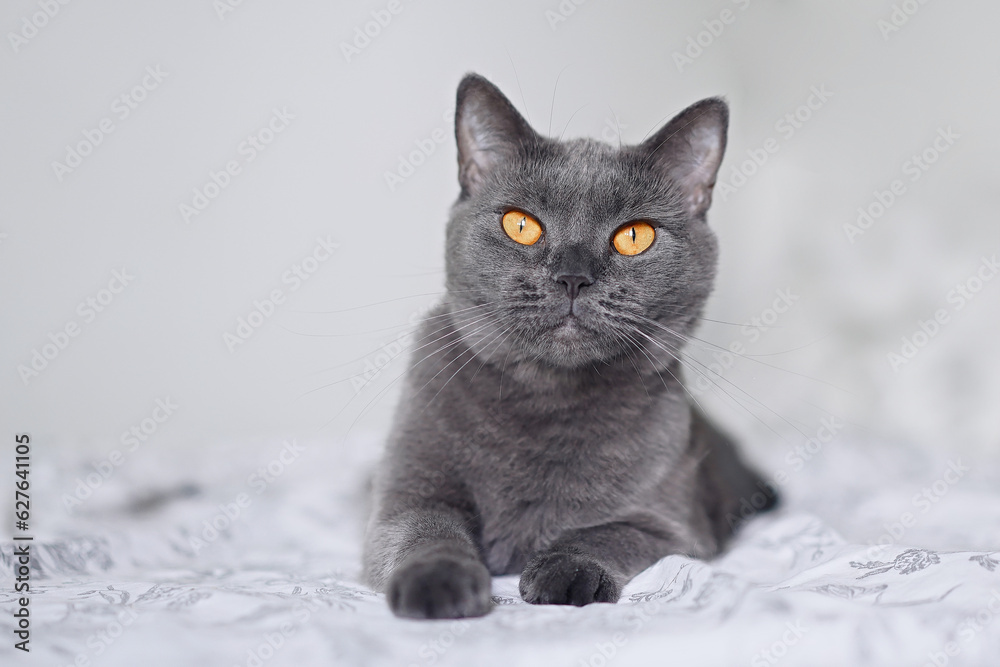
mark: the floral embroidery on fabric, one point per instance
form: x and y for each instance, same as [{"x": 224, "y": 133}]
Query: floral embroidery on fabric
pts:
[
  {"x": 986, "y": 560},
  {"x": 911, "y": 560}
]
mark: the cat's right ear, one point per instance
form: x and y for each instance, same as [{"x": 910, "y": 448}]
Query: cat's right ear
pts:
[
  {"x": 488, "y": 130},
  {"x": 688, "y": 151}
]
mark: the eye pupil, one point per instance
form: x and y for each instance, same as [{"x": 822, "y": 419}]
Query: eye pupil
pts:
[
  {"x": 633, "y": 238},
  {"x": 521, "y": 227}
]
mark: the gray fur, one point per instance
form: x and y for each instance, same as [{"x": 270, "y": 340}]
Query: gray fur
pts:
[{"x": 546, "y": 435}]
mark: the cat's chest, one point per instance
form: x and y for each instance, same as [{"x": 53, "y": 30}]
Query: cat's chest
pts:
[
  {"x": 538, "y": 485},
  {"x": 552, "y": 457}
]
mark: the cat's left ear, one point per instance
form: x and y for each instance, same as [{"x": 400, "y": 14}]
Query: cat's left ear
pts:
[
  {"x": 488, "y": 130},
  {"x": 688, "y": 151}
]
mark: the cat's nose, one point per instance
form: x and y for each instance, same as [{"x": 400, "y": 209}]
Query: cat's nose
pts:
[{"x": 574, "y": 283}]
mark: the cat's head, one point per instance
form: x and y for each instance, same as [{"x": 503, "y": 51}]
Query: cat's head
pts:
[{"x": 576, "y": 252}]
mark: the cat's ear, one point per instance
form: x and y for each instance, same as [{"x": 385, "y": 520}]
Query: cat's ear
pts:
[
  {"x": 488, "y": 130},
  {"x": 688, "y": 151}
]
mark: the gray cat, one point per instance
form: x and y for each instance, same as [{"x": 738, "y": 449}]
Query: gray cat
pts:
[{"x": 543, "y": 428}]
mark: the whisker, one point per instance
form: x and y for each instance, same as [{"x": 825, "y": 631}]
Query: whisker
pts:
[
  {"x": 511, "y": 331},
  {"x": 671, "y": 136},
  {"x": 687, "y": 363},
  {"x": 385, "y": 389},
  {"x": 570, "y": 121},
  {"x": 638, "y": 374},
  {"x": 472, "y": 356},
  {"x": 553, "y": 105},
  {"x": 667, "y": 368},
  {"x": 518, "y": 80},
  {"x": 704, "y": 344},
  {"x": 368, "y": 305},
  {"x": 503, "y": 367},
  {"x": 617, "y": 126},
  {"x": 474, "y": 320},
  {"x": 361, "y": 333},
  {"x": 413, "y": 328},
  {"x": 794, "y": 349},
  {"x": 458, "y": 340}
]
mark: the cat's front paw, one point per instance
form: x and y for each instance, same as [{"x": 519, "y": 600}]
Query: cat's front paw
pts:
[
  {"x": 567, "y": 578},
  {"x": 439, "y": 587}
]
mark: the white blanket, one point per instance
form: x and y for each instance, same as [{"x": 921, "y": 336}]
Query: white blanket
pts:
[{"x": 136, "y": 575}]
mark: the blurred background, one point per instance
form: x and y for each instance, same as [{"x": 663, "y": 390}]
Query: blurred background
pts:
[{"x": 219, "y": 220}]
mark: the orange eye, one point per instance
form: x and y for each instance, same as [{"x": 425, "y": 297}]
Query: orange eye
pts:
[
  {"x": 522, "y": 227},
  {"x": 633, "y": 238}
]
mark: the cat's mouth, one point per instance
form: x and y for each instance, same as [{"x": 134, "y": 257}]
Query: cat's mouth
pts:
[
  {"x": 570, "y": 342},
  {"x": 570, "y": 319},
  {"x": 569, "y": 328},
  {"x": 573, "y": 310}
]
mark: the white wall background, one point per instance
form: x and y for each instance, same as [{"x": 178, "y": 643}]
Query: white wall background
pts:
[{"x": 162, "y": 336}]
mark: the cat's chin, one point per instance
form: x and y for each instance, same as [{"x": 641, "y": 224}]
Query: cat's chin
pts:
[
  {"x": 570, "y": 323},
  {"x": 570, "y": 332},
  {"x": 570, "y": 344}
]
